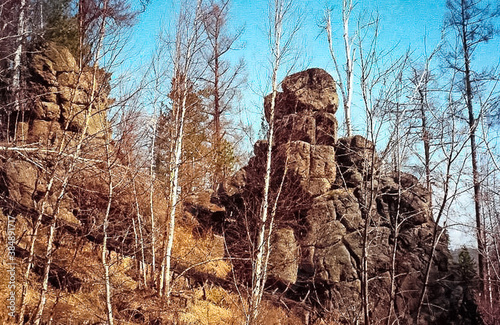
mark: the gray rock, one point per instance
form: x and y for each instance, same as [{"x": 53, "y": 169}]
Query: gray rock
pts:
[{"x": 310, "y": 90}]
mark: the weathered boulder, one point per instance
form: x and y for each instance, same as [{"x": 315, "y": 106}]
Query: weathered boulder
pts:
[
  {"x": 43, "y": 68},
  {"x": 323, "y": 163},
  {"x": 22, "y": 181},
  {"x": 310, "y": 90},
  {"x": 313, "y": 89},
  {"x": 46, "y": 110},
  {"x": 235, "y": 184},
  {"x": 61, "y": 57},
  {"x": 44, "y": 132},
  {"x": 312, "y": 127},
  {"x": 284, "y": 258},
  {"x": 326, "y": 128},
  {"x": 296, "y": 127},
  {"x": 298, "y": 154}
]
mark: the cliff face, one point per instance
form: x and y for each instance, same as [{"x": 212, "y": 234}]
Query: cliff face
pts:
[
  {"x": 61, "y": 95},
  {"x": 336, "y": 207}
]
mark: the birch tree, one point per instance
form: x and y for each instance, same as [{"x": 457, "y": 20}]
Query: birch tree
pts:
[
  {"x": 344, "y": 75},
  {"x": 104, "y": 253},
  {"x": 368, "y": 81},
  {"x": 14, "y": 25},
  {"x": 16, "y": 80},
  {"x": 188, "y": 45},
  {"x": 280, "y": 40}
]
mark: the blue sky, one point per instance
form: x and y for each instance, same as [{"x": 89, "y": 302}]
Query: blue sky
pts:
[{"x": 404, "y": 24}]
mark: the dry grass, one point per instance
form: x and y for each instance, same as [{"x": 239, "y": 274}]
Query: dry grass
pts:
[
  {"x": 212, "y": 305},
  {"x": 200, "y": 255},
  {"x": 209, "y": 304},
  {"x": 207, "y": 253}
]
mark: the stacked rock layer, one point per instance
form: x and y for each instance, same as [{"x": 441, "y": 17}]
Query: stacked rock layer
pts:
[
  {"x": 62, "y": 95},
  {"x": 335, "y": 207}
]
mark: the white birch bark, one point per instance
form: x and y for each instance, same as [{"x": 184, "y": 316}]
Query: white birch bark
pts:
[
  {"x": 346, "y": 85},
  {"x": 142, "y": 267},
  {"x": 16, "y": 79},
  {"x": 265, "y": 230},
  {"x": 152, "y": 176},
  {"x": 104, "y": 259},
  {"x": 187, "y": 45}
]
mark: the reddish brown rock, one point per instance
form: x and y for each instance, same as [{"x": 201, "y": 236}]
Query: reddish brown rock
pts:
[{"x": 313, "y": 89}]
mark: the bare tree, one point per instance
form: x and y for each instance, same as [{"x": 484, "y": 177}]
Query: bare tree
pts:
[
  {"x": 450, "y": 145},
  {"x": 152, "y": 177},
  {"x": 14, "y": 23},
  {"x": 222, "y": 79},
  {"x": 104, "y": 253},
  {"x": 345, "y": 76},
  {"x": 280, "y": 40},
  {"x": 368, "y": 82},
  {"x": 16, "y": 80},
  {"x": 187, "y": 48},
  {"x": 471, "y": 23},
  {"x": 421, "y": 80},
  {"x": 488, "y": 303}
]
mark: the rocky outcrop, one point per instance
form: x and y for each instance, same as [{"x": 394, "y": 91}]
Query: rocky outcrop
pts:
[
  {"x": 66, "y": 100},
  {"x": 62, "y": 96},
  {"x": 335, "y": 207}
]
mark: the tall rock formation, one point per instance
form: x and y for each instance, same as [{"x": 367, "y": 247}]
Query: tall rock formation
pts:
[{"x": 335, "y": 204}]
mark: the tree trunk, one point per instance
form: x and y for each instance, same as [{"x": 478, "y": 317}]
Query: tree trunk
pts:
[
  {"x": 16, "y": 78},
  {"x": 186, "y": 45},
  {"x": 217, "y": 113},
  {"x": 104, "y": 260},
  {"x": 152, "y": 176},
  {"x": 475, "y": 170},
  {"x": 346, "y": 85},
  {"x": 265, "y": 230},
  {"x": 141, "y": 237},
  {"x": 349, "y": 56},
  {"x": 174, "y": 194}
]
